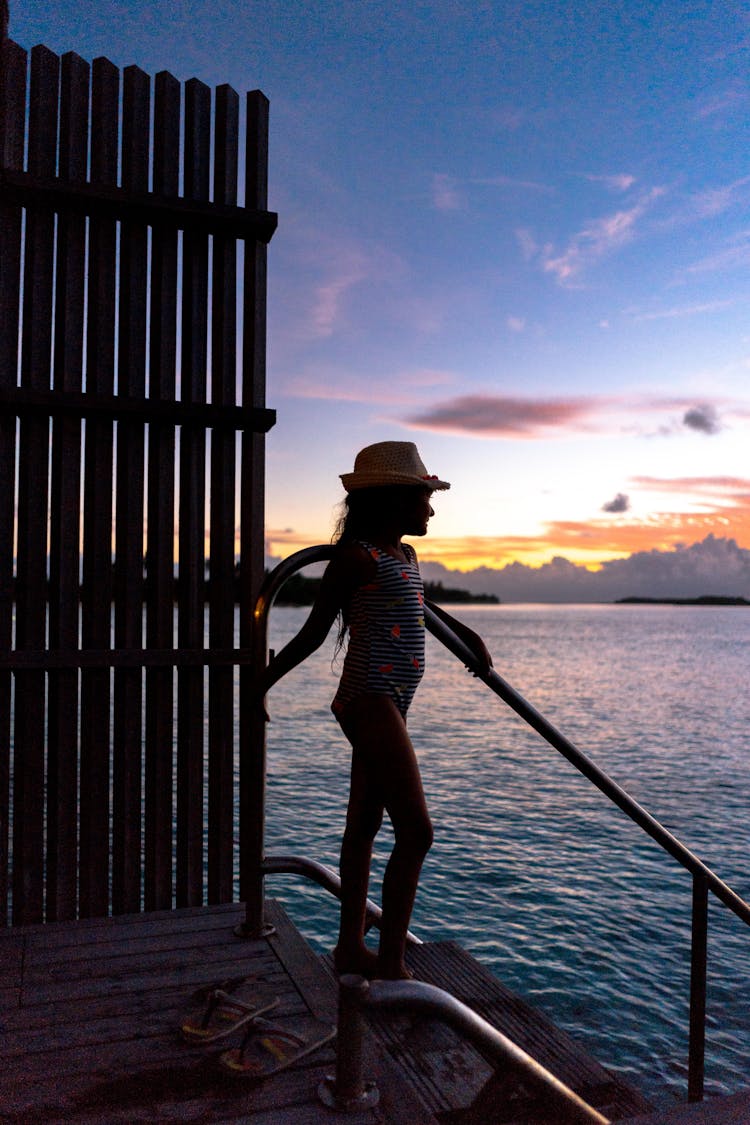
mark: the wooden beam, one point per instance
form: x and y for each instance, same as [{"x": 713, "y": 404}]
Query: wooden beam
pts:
[
  {"x": 24, "y": 401},
  {"x": 105, "y": 202}
]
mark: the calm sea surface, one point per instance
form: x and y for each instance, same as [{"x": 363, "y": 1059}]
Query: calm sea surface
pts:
[{"x": 533, "y": 870}]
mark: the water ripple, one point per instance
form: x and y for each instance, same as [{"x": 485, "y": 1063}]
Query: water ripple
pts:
[{"x": 533, "y": 870}]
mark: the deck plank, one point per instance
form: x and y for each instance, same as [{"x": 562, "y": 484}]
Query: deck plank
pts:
[
  {"x": 731, "y": 1109},
  {"x": 450, "y": 1074},
  {"x": 92, "y": 1011}
]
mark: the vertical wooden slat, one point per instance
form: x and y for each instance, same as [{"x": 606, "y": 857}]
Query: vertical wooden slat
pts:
[
  {"x": 223, "y": 460},
  {"x": 97, "y": 507},
  {"x": 161, "y": 476},
  {"x": 12, "y": 128},
  {"x": 252, "y": 727},
  {"x": 127, "y": 737},
  {"x": 62, "y": 769},
  {"x": 192, "y": 507},
  {"x": 31, "y": 593}
]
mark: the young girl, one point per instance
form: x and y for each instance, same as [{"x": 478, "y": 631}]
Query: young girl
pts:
[{"x": 374, "y": 587}]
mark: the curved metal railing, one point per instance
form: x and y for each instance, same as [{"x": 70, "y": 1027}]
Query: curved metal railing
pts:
[
  {"x": 704, "y": 879},
  {"x": 326, "y": 878},
  {"x": 348, "y": 1091}
]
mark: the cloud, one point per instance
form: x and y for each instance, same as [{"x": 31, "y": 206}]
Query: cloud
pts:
[
  {"x": 499, "y": 416},
  {"x": 331, "y": 282},
  {"x": 512, "y": 183},
  {"x": 619, "y": 182},
  {"x": 717, "y": 488},
  {"x": 721, "y": 497},
  {"x": 595, "y": 240},
  {"x": 704, "y": 419},
  {"x": 715, "y": 201},
  {"x": 449, "y": 194},
  {"x": 734, "y": 255},
  {"x": 399, "y": 388},
  {"x": 508, "y": 117},
  {"x": 714, "y": 566},
  {"x": 720, "y": 103},
  {"x": 621, "y": 503},
  {"x": 445, "y": 195},
  {"x": 678, "y": 311},
  {"x": 527, "y": 243},
  {"x": 505, "y": 416}
]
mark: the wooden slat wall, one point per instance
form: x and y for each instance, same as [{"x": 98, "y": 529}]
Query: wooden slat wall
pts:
[
  {"x": 161, "y": 498},
  {"x": 128, "y": 735},
  {"x": 96, "y": 594},
  {"x": 62, "y": 751},
  {"x": 118, "y": 772},
  {"x": 252, "y": 743},
  {"x": 13, "y": 62},
  {"x": 33, "y": 463},
  {"x": 223, "y": 461},
  {"x": 190, "y": 693}
]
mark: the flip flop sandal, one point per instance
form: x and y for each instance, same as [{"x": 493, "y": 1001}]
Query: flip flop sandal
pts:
[
  {"x": 266, "y": 1049},
  {"x": 221, "y": 1015}
]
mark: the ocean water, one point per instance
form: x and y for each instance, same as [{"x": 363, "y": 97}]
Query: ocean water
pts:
[{"x": 533, "y": 870}]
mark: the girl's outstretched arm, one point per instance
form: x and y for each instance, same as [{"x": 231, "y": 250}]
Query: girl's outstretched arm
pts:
[
  {"x": 349, "y": 569},
  {"x": 471, "y": 639}
]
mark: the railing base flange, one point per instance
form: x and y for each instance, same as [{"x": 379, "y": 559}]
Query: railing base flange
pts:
[
  {"x": 369, "y": 1097},
  {"x": 243, "y": 930}
]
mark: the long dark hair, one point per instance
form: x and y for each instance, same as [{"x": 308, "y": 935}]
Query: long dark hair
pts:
[{"x": 365, "y": 511}]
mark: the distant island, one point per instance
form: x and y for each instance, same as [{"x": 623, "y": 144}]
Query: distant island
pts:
[
  {"x": 299, "y": 590},
  {"x": 706, "y": 599}
]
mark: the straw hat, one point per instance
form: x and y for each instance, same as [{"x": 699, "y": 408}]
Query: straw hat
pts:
[{"x": 387, "y": 463}]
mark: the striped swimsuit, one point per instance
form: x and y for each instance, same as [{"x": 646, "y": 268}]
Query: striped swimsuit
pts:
[{"x": 385, "y": 653}]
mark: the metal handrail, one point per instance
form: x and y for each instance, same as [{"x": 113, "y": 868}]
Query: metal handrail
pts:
[
  {"x": 704, "y": 879},
  {"x": 348, "y": 1091},
  {"x": 589, "y": 769},
  {"x": 326, "y": 878}
]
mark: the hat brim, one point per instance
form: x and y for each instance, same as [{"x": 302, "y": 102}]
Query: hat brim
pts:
[{"x": 357, "y": 480}]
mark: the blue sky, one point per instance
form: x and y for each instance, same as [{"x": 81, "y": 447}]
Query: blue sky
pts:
[{"x": 515, "y": 233}]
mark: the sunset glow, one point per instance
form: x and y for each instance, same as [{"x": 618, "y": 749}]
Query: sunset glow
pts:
[{"x": 516, "y": 235}]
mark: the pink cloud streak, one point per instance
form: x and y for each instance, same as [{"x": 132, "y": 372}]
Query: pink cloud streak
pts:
[{"x": 498, "y": 416}]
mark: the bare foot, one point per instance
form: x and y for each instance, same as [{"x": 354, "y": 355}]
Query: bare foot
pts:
[{"x": 363, "y": 962}]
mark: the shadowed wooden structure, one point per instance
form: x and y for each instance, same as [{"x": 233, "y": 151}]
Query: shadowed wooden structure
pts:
[{"x": 132, "y": 401}]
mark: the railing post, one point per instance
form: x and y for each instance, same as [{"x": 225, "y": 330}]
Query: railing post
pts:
[
  {"x": 254, "y": 635},
  {"x": 698, "y": 961},
  {"x": 253, "y": 794},
  {"x": 253, "y": 625},
  {"x": 347, "y": 1092}
]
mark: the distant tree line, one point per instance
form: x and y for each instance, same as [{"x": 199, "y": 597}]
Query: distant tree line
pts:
[
  {"x": 299, "y": 590},
  {"x": 705, "y": 599}
]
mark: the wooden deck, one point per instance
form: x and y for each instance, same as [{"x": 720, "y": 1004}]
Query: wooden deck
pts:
[{"x": 90, "y": 1012}]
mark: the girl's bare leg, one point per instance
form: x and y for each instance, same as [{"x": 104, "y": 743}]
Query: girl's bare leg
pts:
[
  {"x": 363, "y": 819},
  {"x": 390, "y": 779}
]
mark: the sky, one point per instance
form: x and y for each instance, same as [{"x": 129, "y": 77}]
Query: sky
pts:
[{"x": 515, "y": 233}]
